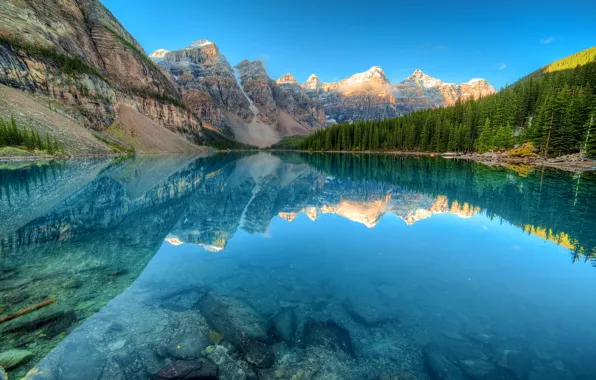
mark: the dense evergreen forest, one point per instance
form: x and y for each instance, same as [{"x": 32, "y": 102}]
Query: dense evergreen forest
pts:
[
  {"x": 554, "y": 108},
  {"x": 11, "y": 135},
  {"x": 549, "y": 203}
]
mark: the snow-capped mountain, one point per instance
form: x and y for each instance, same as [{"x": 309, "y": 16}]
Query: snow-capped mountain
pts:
[
  {"x": 158, "y": 54},
  {"x": 245, "y": 103},
  {"x": 369, "y": 95}
]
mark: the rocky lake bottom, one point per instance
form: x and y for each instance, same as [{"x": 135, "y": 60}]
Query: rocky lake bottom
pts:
[{"x": 296, "y": 267}]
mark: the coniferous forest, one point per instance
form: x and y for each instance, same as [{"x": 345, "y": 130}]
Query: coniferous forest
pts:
[
  {"x": 11, "y": 135},
  {"x": 554, "y": 108}
]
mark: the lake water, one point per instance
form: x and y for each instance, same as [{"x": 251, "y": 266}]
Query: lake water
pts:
[{"x": 289, "y": 266}]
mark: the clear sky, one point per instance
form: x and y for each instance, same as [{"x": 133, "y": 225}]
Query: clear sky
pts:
[{"x": 500, "y": 41}]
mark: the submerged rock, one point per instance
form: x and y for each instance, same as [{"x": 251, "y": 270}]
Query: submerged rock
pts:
[
  {"x": 186, "y": 347},
  {"x": 285, "y": 324},
  {"x": 14, "y": 358},
  {"x": 329, "y": 335},
  {"x": 228, "y": 369},
  {"x": 476, "y": 369},
  {"x": 367, "y": 315},
  {"x": 439, "y": 367},
  {"x": 188, "y": 370},
  {"x": 53, "y": 322},
  {"x": 82, "y": 361},
  {"x": 258, "y": 353},
  {"x": 517, "y": 362},
  {"x": 233, "y": 318},
  {"x": 397, "y": 376}
]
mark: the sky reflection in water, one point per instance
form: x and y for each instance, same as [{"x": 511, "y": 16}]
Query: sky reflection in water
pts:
[{"x": 429, "y": 265}]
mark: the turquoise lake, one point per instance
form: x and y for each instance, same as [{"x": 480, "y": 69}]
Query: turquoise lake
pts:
[{"x": 297, "y": 266}]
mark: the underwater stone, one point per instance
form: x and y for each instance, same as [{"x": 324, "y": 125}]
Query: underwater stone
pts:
[
  {"x": 188, "y": 370},
  {"x": 14, "y": 358},
  {"x": 397, "y": 376},
  {"x": 228, "y": 369},
  {"x": 329, "y": 335},
  {"x": 257, "y": 353},
  {"x": 81, "y": 361},
  {"x": 367, "y": 315},
  {"x": 187, "y": 347},
  {"x": 233, "y": 318},
  {"x": 439, "y": 367},
  {"x": 517, "y": 362},
  {"x": 54, "y": 321},
  {"x": 285, "y": 324},
  {"x": 476, "y": 369}
]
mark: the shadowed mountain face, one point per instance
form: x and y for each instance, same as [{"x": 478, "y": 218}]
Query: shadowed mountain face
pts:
[{"x": 129, "y": 249}]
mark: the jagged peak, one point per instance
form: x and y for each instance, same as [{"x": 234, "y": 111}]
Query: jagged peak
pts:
[
  {"x": 254, "y": 69},
  {"x": 287, "y": 79},
  {"x": 375, "y": 72},
  {"x": 312, "y": 83},
  {"x": 159, "y": 53},
  {"x": 418, "y": 74},
  {"x": 200, "y": 43},
  {"x": 476, "y": 80}
]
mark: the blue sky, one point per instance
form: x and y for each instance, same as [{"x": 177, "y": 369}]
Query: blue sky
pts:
[{"x": 499, "y": 41}]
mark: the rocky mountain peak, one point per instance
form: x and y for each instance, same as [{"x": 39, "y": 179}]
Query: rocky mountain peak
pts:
[
  {"x": 159, "y": 53},
  {"x": 420, "y": 78},
  {"x": 252, "y": 70},
  {"x": 477, "y": 81},
  {"x": 312, "y": 83},
  {"x": 287, "y": 79},
  {"x": 375, "y": 73},
  {"x": 200, "y": 43},
  {"x": 418, "y": 74}
]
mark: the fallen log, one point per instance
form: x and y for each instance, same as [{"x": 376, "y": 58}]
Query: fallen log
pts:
[{"x": 27, "y": 310}]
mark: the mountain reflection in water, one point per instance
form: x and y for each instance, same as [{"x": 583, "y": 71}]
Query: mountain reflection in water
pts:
[{"x": 408, "y": 267}]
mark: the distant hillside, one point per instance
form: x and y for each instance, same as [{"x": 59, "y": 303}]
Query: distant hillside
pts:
[
  {"x": 554, "y": 108},
  {"x": 578, "y": 59}
]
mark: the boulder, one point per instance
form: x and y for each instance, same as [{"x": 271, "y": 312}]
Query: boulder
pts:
[
  {"x": 367, "y": 314},
  {"x": 257, "y": 353},
  {"x": 14, "y": 358},
  {"x": 518, "y": 363},
  {"x": 439, "y": 367},
  {"x": 188, "y": 370},
  {"x": 328, "y": 334},
  {"x": 476, "y": 369},
  {"x": 228, "y": 369},
  {"x": 233, "y": 318},
  {"x": 186, "y": 347},
  {"x": 285, "y": 324},
  {"x": 82, "y": 361}
]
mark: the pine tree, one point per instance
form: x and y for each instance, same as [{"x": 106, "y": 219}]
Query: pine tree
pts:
[{"x": 48, "y": 145}]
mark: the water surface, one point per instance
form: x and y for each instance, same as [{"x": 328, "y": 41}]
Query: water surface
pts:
[{"x": 336, "y": 266}]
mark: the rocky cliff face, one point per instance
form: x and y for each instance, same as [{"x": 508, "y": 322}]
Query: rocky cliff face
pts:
[
  {"x": 243, "y": 102},
  {"x": 370, "y": 95},
  {"x": 76, "y": 52}
]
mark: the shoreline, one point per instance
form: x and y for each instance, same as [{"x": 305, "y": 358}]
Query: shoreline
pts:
[{"x": 488, "y": 159}]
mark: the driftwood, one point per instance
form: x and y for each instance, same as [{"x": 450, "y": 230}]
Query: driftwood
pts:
[{"x": 27, "y": 310}]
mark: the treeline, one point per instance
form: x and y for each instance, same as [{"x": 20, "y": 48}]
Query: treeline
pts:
[
  {"x": 559, "y": 203},
  {"x": 11, "y": 135},
  {"x": 554, "y": 108}
]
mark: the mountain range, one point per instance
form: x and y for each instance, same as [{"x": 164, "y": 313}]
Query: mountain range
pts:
[
  {"x": 71, "y": 70},
  {"x": 260, "y": 111}
]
